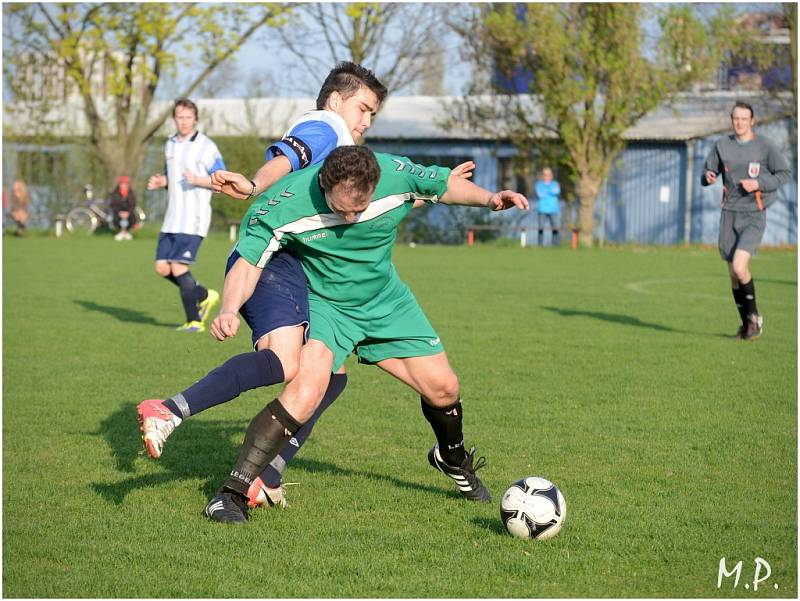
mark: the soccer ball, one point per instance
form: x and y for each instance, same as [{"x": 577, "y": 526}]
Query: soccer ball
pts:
[{"x": 533, "y": 508}]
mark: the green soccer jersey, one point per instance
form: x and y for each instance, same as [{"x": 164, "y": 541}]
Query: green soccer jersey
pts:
[{"x": 346, "y": 264}]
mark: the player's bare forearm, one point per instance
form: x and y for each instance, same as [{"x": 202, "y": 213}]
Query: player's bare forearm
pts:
[
  {"x": 240, "y": 282},
  {"x": 461, "y": 191},
  {"x": 270, "y": 172}
]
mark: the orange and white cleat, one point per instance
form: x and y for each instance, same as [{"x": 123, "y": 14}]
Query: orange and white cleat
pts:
[
  {"x": 261, "y": 495},
  {"x": 156, "y": 423}
]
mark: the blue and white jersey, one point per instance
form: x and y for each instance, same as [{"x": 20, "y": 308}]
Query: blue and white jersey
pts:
[
  {"x": 311, "y": 138},
  {"x": 189, "y": 208}
]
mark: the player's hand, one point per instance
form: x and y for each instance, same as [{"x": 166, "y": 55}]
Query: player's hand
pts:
[
  {"x": 231, "y": 184},
  {"x": 464, "y": 170},
  {"x": 749, "y": 185},
  {"x": 506, "y": 199},
  {"x": 156, "y": 181},
  {"x": 225, "y": 325},
  {"x": 711, "y": 178}
]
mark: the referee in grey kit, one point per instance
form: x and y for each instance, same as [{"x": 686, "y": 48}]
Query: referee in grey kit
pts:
[{"x": 752, "y": 171}]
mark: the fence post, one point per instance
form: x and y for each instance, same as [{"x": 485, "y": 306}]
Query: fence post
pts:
[
  {"x": 470, "y": 237},
  {"x": 523, "y": 238},
  {"x": 574, "y": 239},
  {"x": 60, "y": 219}
]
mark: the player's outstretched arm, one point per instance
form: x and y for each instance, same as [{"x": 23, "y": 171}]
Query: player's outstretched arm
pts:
[
  {"x": 463, "y": 170},
  {"x": 238, "y": 186},
  {"x": 240, "y": 282},
  {"x": 461, "y": 191}
]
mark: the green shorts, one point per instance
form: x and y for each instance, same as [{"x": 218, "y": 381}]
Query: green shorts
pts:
[{"x": 391, "y": 325}]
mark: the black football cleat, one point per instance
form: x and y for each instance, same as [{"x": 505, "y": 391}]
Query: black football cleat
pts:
[
  {"x": 227, "y": 508},
  {"x": 468, "y": 483}
]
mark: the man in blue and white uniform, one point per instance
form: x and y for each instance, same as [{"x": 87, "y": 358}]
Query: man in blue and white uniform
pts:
[{"x": 190, "y": 159}]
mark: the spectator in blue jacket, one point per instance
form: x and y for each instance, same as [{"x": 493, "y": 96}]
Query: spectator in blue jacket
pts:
[{"x": 547, "y": 206}]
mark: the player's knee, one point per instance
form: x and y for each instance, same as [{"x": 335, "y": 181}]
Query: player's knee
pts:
[
  {"x": 741, "y": 271},
  {"x": 302, "y": 397},
  {"x": 444, "y": 391},
  {"x": 290, "y": 365},
  {"x": 162, "y": 268}
]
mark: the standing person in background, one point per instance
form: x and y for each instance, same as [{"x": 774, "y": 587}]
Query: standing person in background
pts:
[
  {"x": 20, "y": 199},
  {"x": 547, "y": 206},
  {"x": 123, "y": 205},
  {"x": 191, "y": 158},
  {"x": 752, "y": 171}
]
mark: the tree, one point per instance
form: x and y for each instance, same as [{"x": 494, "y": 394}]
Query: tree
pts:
[
  {"x": 112, "y": 56},
  {"x": 589, "y": 77},
  {"x": 381, "y": 36}
]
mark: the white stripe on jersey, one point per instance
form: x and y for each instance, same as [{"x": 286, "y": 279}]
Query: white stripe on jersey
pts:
[
  {"x": 376, "y": 208},
  {"x": 189, "y": 208},
  {"x": 332, "y": 119}
]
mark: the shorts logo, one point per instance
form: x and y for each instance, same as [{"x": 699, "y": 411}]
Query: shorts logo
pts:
[
  {"x": 187, "y": 254},
  {"x": 433, "y": 342},
  {"x": 753, "y": 169}
]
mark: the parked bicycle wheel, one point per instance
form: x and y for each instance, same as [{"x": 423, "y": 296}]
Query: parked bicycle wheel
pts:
[{"x": 81, "y": 220}]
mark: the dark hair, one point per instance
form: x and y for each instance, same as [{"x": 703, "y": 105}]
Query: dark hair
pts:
[
  {"x": 187, "y": 104},
  {"x": 347, "y": 78},
  {"x": 743, "y": 105},
  {"x": 354, "y": 166}
]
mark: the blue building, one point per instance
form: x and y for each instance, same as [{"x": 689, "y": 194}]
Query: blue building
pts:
[{"x": 652, "y": 195}]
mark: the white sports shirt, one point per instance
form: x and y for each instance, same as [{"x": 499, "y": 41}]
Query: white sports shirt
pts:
[{"x": 189, "y": 208}]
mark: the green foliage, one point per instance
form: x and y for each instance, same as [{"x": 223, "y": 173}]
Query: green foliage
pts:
[
  {"x": 610, "y": 372},
  {"x": 590, "y": 75},
  {"x": 243, "y": 155},
  {"x": 114, "y": 55}
]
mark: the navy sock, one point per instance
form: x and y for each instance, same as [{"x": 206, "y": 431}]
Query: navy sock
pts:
[
  {"x": 446, "y": 424},
  {"x": 191, "y": 294},
  {"x": 171, "y": 278},
  {"x": 235, "y": 376},
  {"x": 273, "y": 474}
]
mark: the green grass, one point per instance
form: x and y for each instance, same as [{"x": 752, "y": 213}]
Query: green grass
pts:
[{"x": 611, "y": 372}]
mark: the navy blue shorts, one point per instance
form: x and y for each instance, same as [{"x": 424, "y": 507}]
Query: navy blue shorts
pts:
[
  {"x": 280, "y": 298},
  {"x": 178, "y": 248}
]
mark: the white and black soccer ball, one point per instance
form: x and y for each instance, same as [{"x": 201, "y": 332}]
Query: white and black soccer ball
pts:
[{"x": 533, "y": 508}]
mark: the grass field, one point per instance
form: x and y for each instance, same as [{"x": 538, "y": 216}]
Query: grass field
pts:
[{"x": 612, "y": 373}]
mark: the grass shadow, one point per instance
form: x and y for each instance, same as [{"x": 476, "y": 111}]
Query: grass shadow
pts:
[
  {"x": 201, "y": 449},
  {"x": 493, "y": 525},
  {"x": 207, "y": 450},
  {"x": 123, "y": 314},
  {"x": 625, "y": 320},
  {"x": 313, "y": 466}
]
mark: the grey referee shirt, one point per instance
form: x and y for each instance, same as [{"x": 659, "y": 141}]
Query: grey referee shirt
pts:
[{"x": 757, "y": 159}]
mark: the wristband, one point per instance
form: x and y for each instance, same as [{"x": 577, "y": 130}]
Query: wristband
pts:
[{"x": 253, "y": 191}]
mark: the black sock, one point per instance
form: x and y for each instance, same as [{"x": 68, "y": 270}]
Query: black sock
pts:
[
  {"x": 266, "y": 435},
  {"x": 171, "y": 278},
  {"x": 189, "y": 295},
  {"x": 273, "y": 474},
  {"x": 237, "y": 375},
  {"x": 749, "y": 297},
  {"x": 738, "y": 298},
  {"x": 446, "y": 424}
]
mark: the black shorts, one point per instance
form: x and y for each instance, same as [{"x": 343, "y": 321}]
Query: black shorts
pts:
[{"x": 280, "y": 298}]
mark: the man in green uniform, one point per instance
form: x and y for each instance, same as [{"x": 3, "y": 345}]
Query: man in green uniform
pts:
[{"x": 341, "y": 221}]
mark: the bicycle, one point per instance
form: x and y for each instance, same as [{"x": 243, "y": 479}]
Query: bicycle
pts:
[{"x": 94, "y": 214}]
